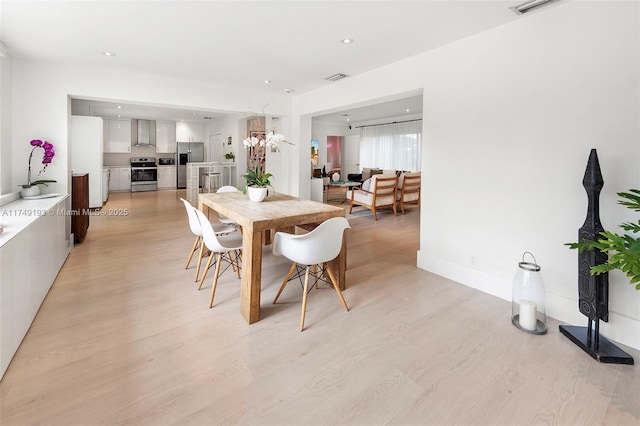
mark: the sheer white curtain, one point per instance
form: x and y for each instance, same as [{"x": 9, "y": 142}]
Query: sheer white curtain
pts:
[{"x": 391, "y": 146}]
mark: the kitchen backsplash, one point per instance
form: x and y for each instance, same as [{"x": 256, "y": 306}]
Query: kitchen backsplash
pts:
[{"x": 122, "y": 160}]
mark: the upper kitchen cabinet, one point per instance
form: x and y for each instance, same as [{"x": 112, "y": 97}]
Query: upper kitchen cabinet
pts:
[
  {"x": 117, "y": 136},
  {"x": 189, "y": 132},
  {"x": 165, "y": 137}
]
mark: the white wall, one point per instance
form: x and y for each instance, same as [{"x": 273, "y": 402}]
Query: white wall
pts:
[
  {"x": 510, "y": 116},
  {"x": 519, "y": 129},
  {"x": 5, "y": 123}
]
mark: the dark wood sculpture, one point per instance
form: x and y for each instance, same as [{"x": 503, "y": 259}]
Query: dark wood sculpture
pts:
[{"x": 593, "y": 290}]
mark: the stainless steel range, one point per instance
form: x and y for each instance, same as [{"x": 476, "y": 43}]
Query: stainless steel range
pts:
[{"x": 144, "y": 174}]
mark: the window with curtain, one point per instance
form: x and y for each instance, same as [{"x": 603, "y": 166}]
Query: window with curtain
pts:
[{"x": 391, "y": 146}]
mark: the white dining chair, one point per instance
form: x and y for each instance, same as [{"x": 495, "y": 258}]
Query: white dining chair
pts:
[
  {"x": 226, "y": 248},
  {"x": 223, "y": 219},
  {"x": 196, "y": 229},
  {"x": 312, "y": 250}
]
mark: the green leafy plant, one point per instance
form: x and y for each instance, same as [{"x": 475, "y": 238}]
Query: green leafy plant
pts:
[
  {"x": 258, "y": 177},
  {"x": 623, "y": 250},
  {"x": 230, "y": 156}
]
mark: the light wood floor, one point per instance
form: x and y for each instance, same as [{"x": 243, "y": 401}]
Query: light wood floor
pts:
[{"x": 124, "y": 337}]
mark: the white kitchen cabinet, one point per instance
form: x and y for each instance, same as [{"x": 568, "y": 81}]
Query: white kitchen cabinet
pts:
[
  {"x": 167, "y": 177},
  {"x": 117, "y": 136},
  {"x": 124, "y": 178},
  {"x": 189, "y": 132},
  {"x": 120, "y": 179},
  {"x": 165, "y": 137}
]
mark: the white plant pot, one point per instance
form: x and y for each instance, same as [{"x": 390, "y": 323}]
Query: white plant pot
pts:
[
  {"x": 256, "y": 194},
  {"x": 32, "y": 191}
]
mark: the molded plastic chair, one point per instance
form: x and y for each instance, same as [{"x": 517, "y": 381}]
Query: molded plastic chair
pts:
[
  {"x": 227, "y": 188},
  {"x": 226, "y": 247},
  {"x": 317, "y": 247},
  {"x": 196, "y": 229}
]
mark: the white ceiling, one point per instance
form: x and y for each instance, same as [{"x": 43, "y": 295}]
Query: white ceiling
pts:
[{"x": 295, "y": 44}]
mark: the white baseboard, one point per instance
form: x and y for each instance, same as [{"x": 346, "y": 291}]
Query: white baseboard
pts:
[{"x": 620, "y": 328}]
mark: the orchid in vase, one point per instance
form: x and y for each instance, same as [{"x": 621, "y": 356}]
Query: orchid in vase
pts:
[
  {"x": 257, "y": 176},
  {"x": 49, "y": 153}
]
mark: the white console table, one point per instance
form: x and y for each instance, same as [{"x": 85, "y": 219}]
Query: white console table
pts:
[
  {"x": 194, "y": 171},
  {"x": 33, "y": 247}
]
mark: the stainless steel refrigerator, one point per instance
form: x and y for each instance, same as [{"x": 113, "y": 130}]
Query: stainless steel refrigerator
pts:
[{"x": 187, "y": 152}]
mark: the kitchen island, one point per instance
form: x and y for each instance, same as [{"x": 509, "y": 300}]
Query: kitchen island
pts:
[{"x": 195, "y": 170}]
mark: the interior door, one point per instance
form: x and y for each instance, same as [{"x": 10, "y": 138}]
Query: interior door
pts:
[
  {"x": 216, "y": 147},
  {"x": 351, "y": 158}
]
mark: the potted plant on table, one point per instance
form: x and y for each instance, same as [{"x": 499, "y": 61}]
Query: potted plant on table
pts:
[
  {"x": 257, "y": 183},
  {"x": 31, "y": 188},
  {"x": 230, "y": 157},
  {"x": 257, "y": 178}
]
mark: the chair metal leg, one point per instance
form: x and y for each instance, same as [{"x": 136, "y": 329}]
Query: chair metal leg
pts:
[
  {"x": 286, "y": 280},
  {"x": 314, "y": 270},
  {"x": 304, "y": 298},
  {"x": 337, "y": 287},
  {"x": 215, "y": 279},
  {"x": 193, "y": 250},
  {"x": 237, "y": 260}
]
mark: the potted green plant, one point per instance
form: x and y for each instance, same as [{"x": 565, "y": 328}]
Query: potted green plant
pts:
[
  {"x": 257, "y": 182},
  {"x": 623, "y": 250},
  {"x": 230, "y": 157}
]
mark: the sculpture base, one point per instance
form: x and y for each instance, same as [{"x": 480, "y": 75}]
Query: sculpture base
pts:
[{"x": 606, "y": 352}]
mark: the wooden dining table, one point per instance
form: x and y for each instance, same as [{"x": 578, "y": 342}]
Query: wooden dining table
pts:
[{"x": 278, "y": 212}]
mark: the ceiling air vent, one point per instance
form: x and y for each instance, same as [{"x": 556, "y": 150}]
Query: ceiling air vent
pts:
[{"x": 336, "y": 77}]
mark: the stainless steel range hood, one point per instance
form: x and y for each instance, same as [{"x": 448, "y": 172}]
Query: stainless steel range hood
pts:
[{"x": 144, "y": 132}]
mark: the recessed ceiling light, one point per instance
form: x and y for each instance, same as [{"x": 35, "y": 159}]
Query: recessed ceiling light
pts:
[
  {"x": 267, "y": 81},
  {"x": 288, "y": 90},
  {"x": 119, "y": 107},
  {"x": 348, "y": 119},
  {"x": 347, "y": 40},
  {"x": 119, "y": 115},
  {"x": 108, "y": 54},
  {"x": 407, "y": 110}
]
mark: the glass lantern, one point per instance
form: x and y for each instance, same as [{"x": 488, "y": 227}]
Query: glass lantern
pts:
[{"x": 528, "y": 299}]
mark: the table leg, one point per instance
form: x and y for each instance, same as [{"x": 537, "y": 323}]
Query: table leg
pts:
[{"x": 251, "y": 275}]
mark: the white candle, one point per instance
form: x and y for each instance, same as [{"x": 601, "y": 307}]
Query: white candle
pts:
[{"x": 528, "y": 319}]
